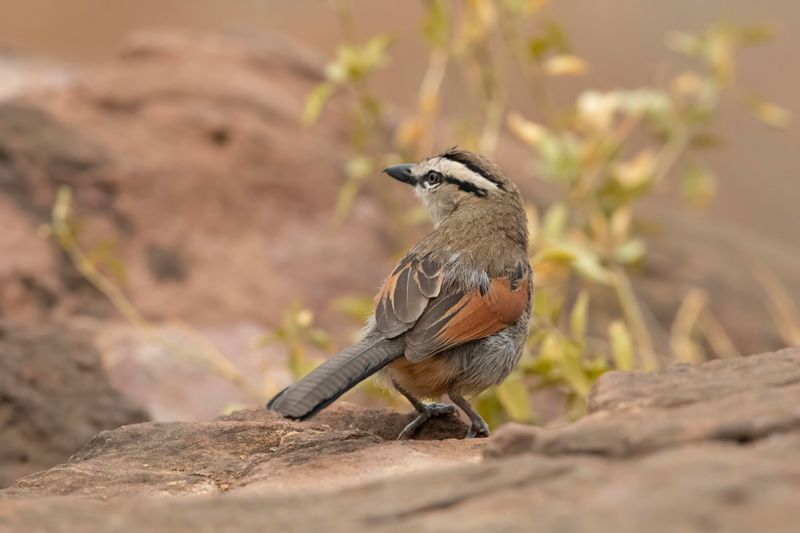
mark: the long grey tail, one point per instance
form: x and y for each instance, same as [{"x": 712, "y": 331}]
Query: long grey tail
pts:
[{"x": 336, "y": 376}]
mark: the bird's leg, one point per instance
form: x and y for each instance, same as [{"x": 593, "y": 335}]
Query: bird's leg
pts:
[
  {"x": 477, "y": 426},
  {"x": 424, "y": 410}
]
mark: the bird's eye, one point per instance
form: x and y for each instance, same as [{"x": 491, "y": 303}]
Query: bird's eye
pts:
[{"x": 433, "y": 179}]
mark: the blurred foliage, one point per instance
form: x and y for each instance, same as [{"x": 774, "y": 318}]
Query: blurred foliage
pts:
[
  {"x": 605, "y": 152},
  {"x": 295, "y": 333}
]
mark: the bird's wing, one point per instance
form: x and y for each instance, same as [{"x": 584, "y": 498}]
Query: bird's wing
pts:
[
  {"x": 454, "y": 319},
  {"x": 411, "y": 301},
  {"x": 406, "y": 293}
]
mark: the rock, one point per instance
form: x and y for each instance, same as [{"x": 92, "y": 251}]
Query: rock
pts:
[
  {"x": 54, "y": 396},
  {"x": 683, "y": 384},
  {"x": 188, "y": 159},
  {"x": 21, "y": 73},
  {"x": 676, "y": 461},
  {"x": 251, "y": 449},
  {"x": 173, "y": 387},
  {"x": 738, "y": 400}
]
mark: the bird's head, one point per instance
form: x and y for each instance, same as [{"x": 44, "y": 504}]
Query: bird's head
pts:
[{"x": 458, "y": 180}]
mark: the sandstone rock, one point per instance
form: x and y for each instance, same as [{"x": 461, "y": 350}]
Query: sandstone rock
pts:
[
  {"x": 683, "y": 384},
  {"x": 252, "y": 449},
  {"x": 21, "y": 73},
  {"x": 738, "y": 400},
  {"x": 691, "y": 472},
  {"x": 54, "y": 395},
  {"x": 188, "y": 152}
]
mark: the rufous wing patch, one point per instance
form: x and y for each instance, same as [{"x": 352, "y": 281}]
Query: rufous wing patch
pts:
[
  {"x": 507, "y": 301},
  {"x": 452, "y": 320}
]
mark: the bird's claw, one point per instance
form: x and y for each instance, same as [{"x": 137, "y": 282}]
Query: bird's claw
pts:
[
  {"x": 428, "y": 410},
  {"x": 479, "y": 429}
]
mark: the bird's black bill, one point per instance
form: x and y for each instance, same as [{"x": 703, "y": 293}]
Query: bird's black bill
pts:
[{"x": 402, "y": 173}]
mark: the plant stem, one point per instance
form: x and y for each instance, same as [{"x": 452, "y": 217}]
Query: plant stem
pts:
[{"x": 633, "y": 314}]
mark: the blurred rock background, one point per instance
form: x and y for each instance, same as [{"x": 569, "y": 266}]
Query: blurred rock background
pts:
[{"x": 624, "y": 39}]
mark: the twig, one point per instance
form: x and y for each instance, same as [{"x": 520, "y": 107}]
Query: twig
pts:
[
  {"x": 633, "y": 314},
  {"x": 717, "y": 337},
  {"x": 687, "y": 316},
  {"x": 780, "y": 304}
]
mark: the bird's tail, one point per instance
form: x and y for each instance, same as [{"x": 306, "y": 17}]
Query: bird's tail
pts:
[{"x": 336, "y": 376}]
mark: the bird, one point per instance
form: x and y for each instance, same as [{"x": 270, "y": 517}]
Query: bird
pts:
[{"x": 453, "y": 317}]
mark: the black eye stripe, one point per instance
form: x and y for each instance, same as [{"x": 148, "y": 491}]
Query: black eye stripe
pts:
[
  {"x": 466, "y": 186},
  {"x": 434, "y": 178}
]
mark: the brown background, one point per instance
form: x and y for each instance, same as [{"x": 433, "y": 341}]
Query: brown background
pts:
[{"x": 623, "y": 41}]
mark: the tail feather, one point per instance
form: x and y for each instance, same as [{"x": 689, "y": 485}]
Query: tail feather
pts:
[{"x": 335, "y": 376}]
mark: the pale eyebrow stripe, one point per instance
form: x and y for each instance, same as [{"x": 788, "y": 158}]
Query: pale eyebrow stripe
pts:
[
  {"x": 462, "y": 172},
  {"x": 462, "y": 158}
]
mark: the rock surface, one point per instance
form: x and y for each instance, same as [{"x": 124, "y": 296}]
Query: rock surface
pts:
[
  {"x": 253, "y": 450},
  {"x": 54, "y": 396},
  {"x": 711, "y": 448}
]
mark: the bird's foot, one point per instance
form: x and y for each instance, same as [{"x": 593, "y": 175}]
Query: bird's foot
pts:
[
  {"x": 428, "y": 410},
  {"x": 478, "y": 429},
  {"x": 440, "y": 409}
]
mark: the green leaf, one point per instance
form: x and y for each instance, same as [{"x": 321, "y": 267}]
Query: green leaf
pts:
[
  {"x": 587, "y": 264},
  {"x": 356, "y": 307},
  {"x": 434, "y": 28},
  {"x": 630, "y": 252},
  {"x": 558, "y": 252},
  {"x": 578, "y": 316},
  {"x": 374, "y": 52},
  {"x": 489, "y": 407},
  {"x": 63, "y": 206},
  {"x": 550, "y": 351},
  {"x": 416, "y": 216},
  {"x": 770, "y": 114},
  {"x": 704, "y": 140},
  {"x": 358, "y": 169},
  {"x": 316, "y": 101},
  {"x": 267, "y": 339},
  {"x": 319, "y": 338},
  {"x": 571, "y": 370},
  {"x": 583, "y": 260},
  {"x": 545, "y": 305},
  {"x": 523, "y": 7},
  {"x": 756, "y": 34},
  {"x": 513, "y": 397},
  {"x": 565, "y": 65},
  {"x": 555, "y": 220},
  {"x": 685, "y": 43},
  {"x": 560, "y": 157},
  {"x": 698, "y": 186},
  {"x": 621, "y": 345},
  {"x": 639, "y": 102},
  {"x": 554, "y": 39},
  {"x": 346, "y": 197},
  {"x": 595, "y": 368}
]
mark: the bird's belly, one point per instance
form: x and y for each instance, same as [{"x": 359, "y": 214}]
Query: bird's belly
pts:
[
  {"x": 429, "y": 378},
  {"x": 467, "y": 369}
]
